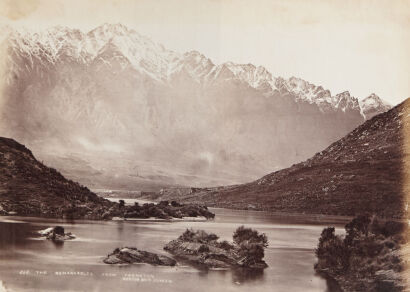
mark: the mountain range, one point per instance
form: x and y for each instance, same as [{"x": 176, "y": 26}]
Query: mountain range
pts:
[
  {"x": 365, "y": 171},
  {"x": 113, "y": 109}
]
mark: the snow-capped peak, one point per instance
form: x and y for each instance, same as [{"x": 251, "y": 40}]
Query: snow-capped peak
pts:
[
  {"x": 345, "y": 101},
  {"x": 117, "y": 43},
  {"x": 372, "y": 105}
]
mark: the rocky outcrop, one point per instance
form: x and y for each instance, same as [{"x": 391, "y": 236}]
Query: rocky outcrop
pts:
[
  {"x": 130, "y": 255},
  {"x": 203, "y": 249},
  {"x": 56, "y": 234}
]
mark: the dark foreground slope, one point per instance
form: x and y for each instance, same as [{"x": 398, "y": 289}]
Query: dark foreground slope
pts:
[
  {"x": 29, "y": 188},
  {"x": 364, "y": 171}
]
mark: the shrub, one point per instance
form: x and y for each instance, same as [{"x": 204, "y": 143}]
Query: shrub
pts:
[
  {"x": 250, "y": 244},
  {"x": 175, "y": 204},
  {"x": 393, "y": 228},
  {"x": 331, "y": 250},
  {"x": 203, "y": 248},
  {"x": 225, "y": 245},
  {"x": 358, "y": 226},
  {"x": 163, "y": 203},
  {"x": 362, "y": 253},
  {"x": 252, "y": 252},
  {"x": 243, "y": 234},
  {"x": 198, "y": 236}
]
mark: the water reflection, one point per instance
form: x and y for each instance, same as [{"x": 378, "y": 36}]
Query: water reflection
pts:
[
  {"x": 332, "y": 285},
  {"x": 290, "y": 255},
  {"x": 58, "y": 244},
  {"x": 14, "y": 234},
  {"x": 241, "y": 275}
]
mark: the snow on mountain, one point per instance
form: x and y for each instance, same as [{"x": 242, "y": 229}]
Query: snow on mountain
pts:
[
  {"x": 373, "y": 105},
  {"x": 114, "y": 90},
  {"x": 144, "y": 55}
]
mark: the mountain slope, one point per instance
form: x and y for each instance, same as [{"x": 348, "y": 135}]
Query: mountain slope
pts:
[
  {"x": 365, "y": 171},
  {"x": 29, "y": 188},
  {"x": 174, "y": 118}
]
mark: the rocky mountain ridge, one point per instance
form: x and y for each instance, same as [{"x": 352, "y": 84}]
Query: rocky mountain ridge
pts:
[
  {"x": 158, "y": 117},
  {"x": 144, "y": 55},
  {"x": 365, "y": 171}
]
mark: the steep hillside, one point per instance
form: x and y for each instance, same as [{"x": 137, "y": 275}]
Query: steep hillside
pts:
[
  {"x": 29, "y": 188},
  {"x": 158, "y": 117},
  {"x": 366, "y": 171}
]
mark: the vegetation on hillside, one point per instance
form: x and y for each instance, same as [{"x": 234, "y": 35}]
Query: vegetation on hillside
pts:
[{"x": 367, "y": 258}]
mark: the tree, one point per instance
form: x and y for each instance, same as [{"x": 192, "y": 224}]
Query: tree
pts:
[
  {"x": 250, "y": 244},
  {"x": 249, "y": 235},
  {"x": 357, "y": 227}
]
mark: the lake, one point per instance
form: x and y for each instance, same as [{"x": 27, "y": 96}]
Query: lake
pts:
[{"x": 29, "y": 263}]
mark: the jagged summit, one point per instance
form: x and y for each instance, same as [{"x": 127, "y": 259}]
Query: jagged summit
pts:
[
  {"x": 372, "y": 105},
  {"x": 113, "y": 90},
  {"x": 148, "y": 57}
]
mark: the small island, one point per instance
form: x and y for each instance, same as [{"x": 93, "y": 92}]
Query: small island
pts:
[
  {"x": 202, "y": 250},
  {"x": 162, "y": 210},
  {"x": 368, "y": 258},
  {"x": 205, "y": 250},
  {"x": 56, "y": 234},
  {"x": 131, "y": 255}
]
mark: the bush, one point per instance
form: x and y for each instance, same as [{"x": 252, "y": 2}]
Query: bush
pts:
[
  {"x": 357, "y": 227},
  {"x": 163, "y": 203},
  {"x": 243, "y": 234},
  {"x": 225, "y": 245},
  {"x": 198, "y": 236},
  {"x": 393, "y": 228},
  {"x": 250, "y": 244},
  {"x": 331, "y": 250},
  {"x": 362, "y": 253},
  {"x": 175, "y": 204}
]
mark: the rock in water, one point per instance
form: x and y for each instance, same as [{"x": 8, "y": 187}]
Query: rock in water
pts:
[
  {"x": 56, "y": 234},
  {"x": 130, "y": 255}
]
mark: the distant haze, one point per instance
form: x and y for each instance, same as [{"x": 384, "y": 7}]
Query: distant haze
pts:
[{"x": 357, "y": 45}]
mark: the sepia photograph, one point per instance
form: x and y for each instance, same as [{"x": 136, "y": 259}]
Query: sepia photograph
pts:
[{"x": 205, "y": 145}]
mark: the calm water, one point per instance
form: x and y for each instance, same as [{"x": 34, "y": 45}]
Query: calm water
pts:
[{"x": 28, "y": 263}]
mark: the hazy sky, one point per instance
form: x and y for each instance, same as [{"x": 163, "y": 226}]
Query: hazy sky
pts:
[{"x": 360, "y": 45}]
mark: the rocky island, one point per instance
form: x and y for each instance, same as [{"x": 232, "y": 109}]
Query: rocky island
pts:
[
  {"x": 56, "y": 234},
  {"x": 162, "y": 210},
  {"x": 203, "y": 249},
  {"x": 369, "y": 258},
  {"x": 130, "y": 255}
]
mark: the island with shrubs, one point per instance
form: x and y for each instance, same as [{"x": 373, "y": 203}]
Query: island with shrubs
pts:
[
  {"x": 161, "y": 210},
  {"x": 203, "y": 250}
]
